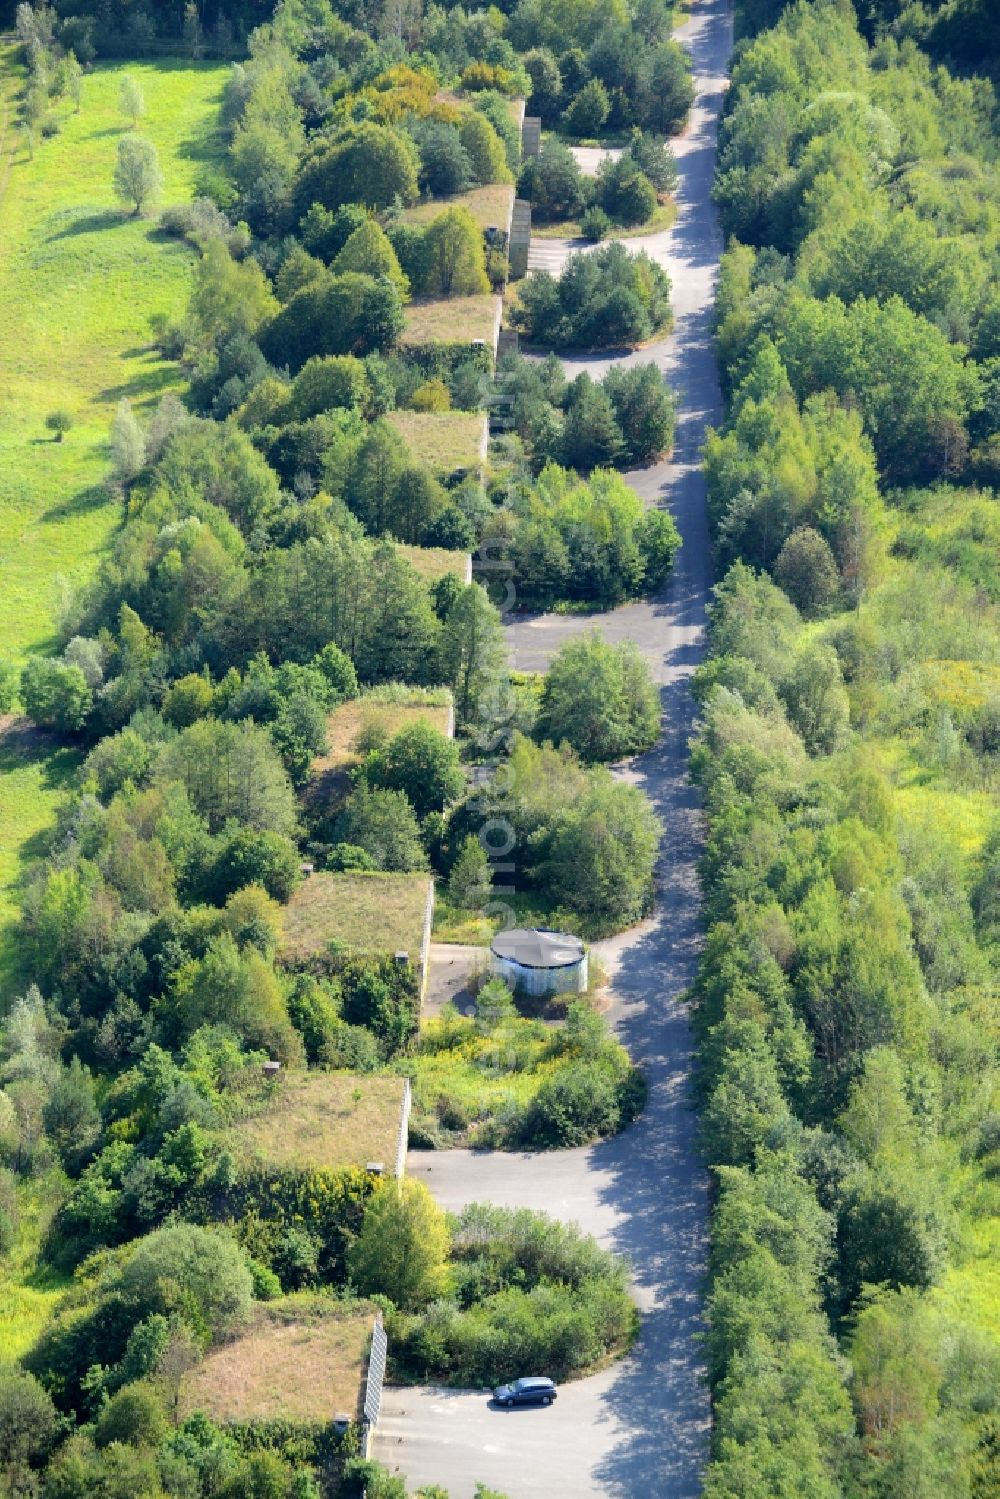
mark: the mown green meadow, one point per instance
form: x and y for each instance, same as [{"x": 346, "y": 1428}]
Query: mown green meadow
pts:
[{"x": 79, "y": 281}]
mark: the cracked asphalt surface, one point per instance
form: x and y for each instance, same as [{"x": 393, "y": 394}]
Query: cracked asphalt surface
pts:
[{"x": 638, "y": 1430}]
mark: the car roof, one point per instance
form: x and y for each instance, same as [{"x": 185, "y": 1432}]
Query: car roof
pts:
[{"x": 534, "y": 1380}]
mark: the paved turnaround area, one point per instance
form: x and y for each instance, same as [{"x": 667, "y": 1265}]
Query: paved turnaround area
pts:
[{"x": 638, "y": 1430}]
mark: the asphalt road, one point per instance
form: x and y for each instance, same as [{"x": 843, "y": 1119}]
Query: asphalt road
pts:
[{"x": 638, "y": 1430}]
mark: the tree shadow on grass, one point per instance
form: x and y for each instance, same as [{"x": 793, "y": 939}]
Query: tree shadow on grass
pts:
[
  {"x": 23, "y": 744},
  {"x": 145, "y": 383},
  {"x": 91, "y": 223},
  {"x": 85, "y": 500}
]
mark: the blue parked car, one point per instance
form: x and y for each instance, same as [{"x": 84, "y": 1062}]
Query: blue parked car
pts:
[{"x": 525, "y": 1392}]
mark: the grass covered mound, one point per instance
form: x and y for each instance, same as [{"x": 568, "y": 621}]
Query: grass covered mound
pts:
[
  {"x": 321, "y": 1121},
  {"x": 300, "y": 1360},
  {"x": 370, "y": 912},
  {"x": 447, "y": 441},
  {"x": 527, "y": 1293}
]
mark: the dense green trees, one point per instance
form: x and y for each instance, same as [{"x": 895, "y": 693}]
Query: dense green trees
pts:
[
  {"x": 603, "y": 299},
  {"x": 628, "y": 418},
  {"x": 599, "y": 699},
  {"x": 885, "y": 285},
  {"x": 841, "y": 961}
]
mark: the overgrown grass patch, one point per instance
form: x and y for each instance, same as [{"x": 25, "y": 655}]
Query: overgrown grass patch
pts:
[
  {"x": 432, "y": 563},
  {"x": 301, "y": 1361},
  {"x": 444, "y": 440},
  {"x": 490, "y": 206},
  {"x": 319, "y": 1121},
  {"x": 377, "y": 711},
  {"x": 451, "y": 320},
  {"x": 513, "y": 1081},
  {"x": 29, "y": 1291},
  {"x": 380, "y": 913}
]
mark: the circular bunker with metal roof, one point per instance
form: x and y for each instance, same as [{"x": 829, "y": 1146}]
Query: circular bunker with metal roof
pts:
[{"x": 538, "y": 961}]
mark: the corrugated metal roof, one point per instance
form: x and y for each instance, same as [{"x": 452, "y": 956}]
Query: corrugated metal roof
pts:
[{"x": 537, "y": 948}]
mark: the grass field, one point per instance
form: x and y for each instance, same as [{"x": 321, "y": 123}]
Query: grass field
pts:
[
  {"x": 444, "y": 440},
  {"x": 451, "y": 320},
  {"x": 29, "y": 1292},
  {"x": 78, "y": 283},
  {"x": 435, "y": 562},
  {"x": 325, "y": 1120},
  {"x": 490, "y": 206},
  {"x": 300, "y": 1361},
  {"x": 371, "y": 912}
]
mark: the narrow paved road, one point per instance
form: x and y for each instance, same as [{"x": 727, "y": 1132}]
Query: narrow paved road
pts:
[{"x": 638, "y": 1430}]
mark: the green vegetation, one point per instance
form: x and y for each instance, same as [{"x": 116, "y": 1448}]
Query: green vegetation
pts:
[
  {"x": 363, "y": 910},
  {"x": 235, "y": 847},
  {"x": 558, "y": 1300},
  {"x": 629, "y": 195},
  {"x": 847, "y": 1013},
  {"x": 604, "y": 300},
  {"x": 56, "y": 513},
  {"x": 498, "y": 1079},
  {"x": 627, "y": 418}
]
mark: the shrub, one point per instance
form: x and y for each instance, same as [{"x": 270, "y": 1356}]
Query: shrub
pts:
[
  {"x": 369, "y": 250},
  {"x": 188, "y": 699},
  {"x": 484, "y": 75},
  {"x": 382, "y": 823},
  {"x": 589, "y": 110},
  {"x": 333, "y": 381},
  {"x": 655, "y": 160},
  {"x": 483, "y": 148},
  {"x": 59, "y": 423},
  {"x": 595, "y": 224},
  {"x": 402, "y": 1249},
  {"x": 530, "y": 1293},
  {"x": 456, "y": 257},
  {"x": 247, "y": 856},
  {"x": 445, "y": 166},
  {"x": 553, "y": 182},
  {"x": 600, "y": 699},
  {"x": 29, "y": 1428},
  {"x": 134, "y": 1416},
  {"x": 421, "y": 762},
  {"x": 55, "y": 695},
  {"x": 625, "y": 192},
  {"x": 644, "y": 407},
  {"x": 579, "y": 1103},
  {"x": 469, "y": 881},
  {"x": 807, "y": 571}
]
